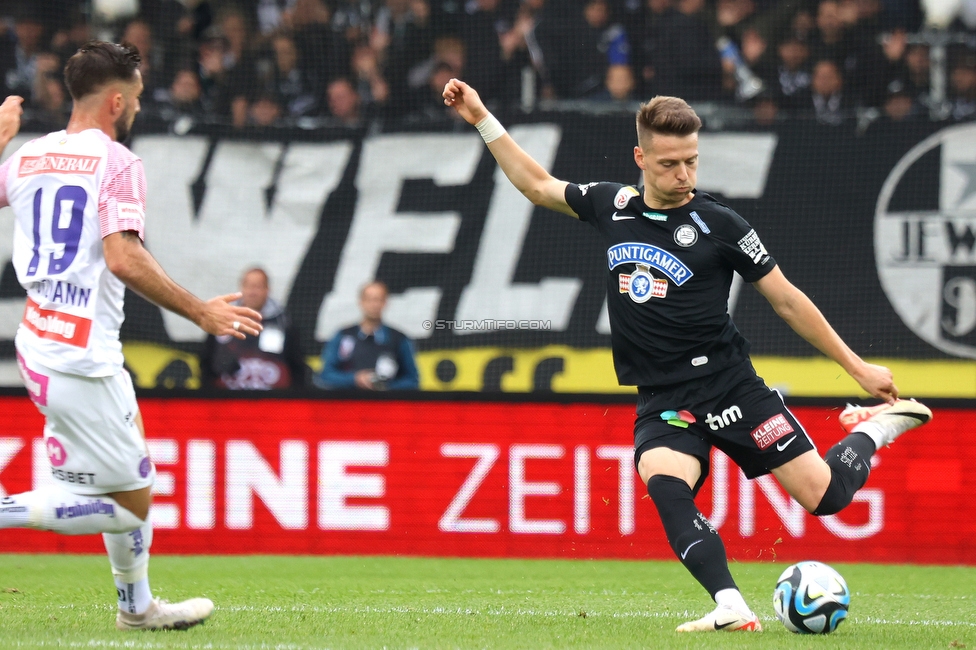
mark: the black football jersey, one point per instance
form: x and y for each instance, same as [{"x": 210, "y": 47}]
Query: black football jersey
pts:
[{"x": 669, "y": 274}]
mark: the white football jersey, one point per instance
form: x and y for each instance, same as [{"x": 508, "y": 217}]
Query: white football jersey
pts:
[{"x": 67, "y": 193}]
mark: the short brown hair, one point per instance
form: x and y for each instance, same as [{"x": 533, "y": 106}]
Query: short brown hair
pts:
[
  {"x": 98, "y": 63},
  {"x": 665, "y": 115},
  {"x": 374, "y": 283}
]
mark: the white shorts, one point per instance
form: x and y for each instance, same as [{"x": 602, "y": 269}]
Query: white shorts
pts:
[{"x": 93, "y": 442}]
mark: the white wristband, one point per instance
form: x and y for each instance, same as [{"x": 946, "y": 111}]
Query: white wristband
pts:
[{"x": 490, "y": 128}]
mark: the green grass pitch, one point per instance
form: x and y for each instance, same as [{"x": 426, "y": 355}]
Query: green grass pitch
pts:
[{"x": 299, "y": 603}]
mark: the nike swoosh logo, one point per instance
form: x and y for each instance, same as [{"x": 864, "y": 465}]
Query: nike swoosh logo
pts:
[
  {"x": 685, "y": 554},
  {"x": 780, "y": 446},
  {"x": 722, "y": 626},
  {"x": 621, "y": 217}
]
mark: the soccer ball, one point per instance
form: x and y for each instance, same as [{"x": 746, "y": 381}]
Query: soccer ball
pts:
[{"x": 811, "y": 598}]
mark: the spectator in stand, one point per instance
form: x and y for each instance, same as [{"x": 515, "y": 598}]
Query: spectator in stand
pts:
[
  {"x": 372, "y": 87},
  {"x": 265, "y": 110},
  {"x": 298, "y": 88},
  {"x": 482, "y": 28},
  {"x": 962, "y": 88},
  {"x": 803, "y": 25},
  {"x": 904, "y": 14},
  {"x": 430, "y": 110},
  {"x": 76, "y": 33},
  {"x": 578, "y": 49},
  {"x": 353, "y": 19},
  {"x": 651, "y": 54},
  {"x": 139, "y": 33},
  {"x": 789, "y": 80},
  {"x": 828, "y": 40},
  {"x": 344, "y": 102},
  {"x": 765, "y": 110},
  {"x": 270, "y": 14},
  {"x": 402, "y": 38},
  {"x": 918, "y": 69},
  {"x": 184, "y": 97},
  {"x": 734, "y": 17},
  {"x": 49, "y": 97},
  {"x": 692, "y": 68},
  {"x": 321, "y": 51},
  {"x": 449, "y": 54},
  {"x": 619, "y": 83},
  {"x": 233, "y": 26},
  {"x": 271, "y": 360},
  {"x": 211, "y": 71},
  {"x": 830, "y": 104},
  {"x": 514, "y": 42},
  {"x": 278, "y": 80},
  {"x": 371, "y": 355},
  {"x": 609, "y": 40},
  {"x": 19, "y": 51},
  {"x": 176, "y": 27},
  {"x": 900, "y": 104}
]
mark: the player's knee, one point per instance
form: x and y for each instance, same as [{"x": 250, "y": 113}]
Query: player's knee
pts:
[
  {"x": 838, "y": 495},
  {"x": 136, "y": 502},
  {"x": 835, "y": 499},
  {"x": 664, "y": 490},
  {"x": 845, "y": 480},
  {"x": 124, "y": 520}
]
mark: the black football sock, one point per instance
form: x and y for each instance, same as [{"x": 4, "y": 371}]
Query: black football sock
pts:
[
  {"x": 693, "y": 539},
  {"x": 850, "y": 463}
]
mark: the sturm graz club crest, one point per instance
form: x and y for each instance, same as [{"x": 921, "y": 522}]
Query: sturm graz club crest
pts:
[
  {"x": 926, "y": 253},
  {"x": 641, "y": 285}
]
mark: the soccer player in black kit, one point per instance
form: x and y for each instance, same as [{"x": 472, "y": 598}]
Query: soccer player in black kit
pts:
[{"x": 671, "y": 254}]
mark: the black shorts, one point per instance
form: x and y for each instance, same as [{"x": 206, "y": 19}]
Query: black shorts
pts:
[{"x": 733, "y": 410}]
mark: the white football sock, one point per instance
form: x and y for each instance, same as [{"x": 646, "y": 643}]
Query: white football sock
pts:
[
  {"x": 128, "y": 553},
  {"x": 873, "y": 431},
  {"x": 732, "y": 598},
  {"x": 54, "y": 508},
  {"x": 14, "y": 512}
]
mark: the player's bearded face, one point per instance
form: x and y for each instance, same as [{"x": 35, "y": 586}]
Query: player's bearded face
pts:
[{"x": 123, "y": 125}]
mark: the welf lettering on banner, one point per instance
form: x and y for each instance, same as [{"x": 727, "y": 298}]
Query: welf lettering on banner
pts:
[{"x": 477, "y": 479}]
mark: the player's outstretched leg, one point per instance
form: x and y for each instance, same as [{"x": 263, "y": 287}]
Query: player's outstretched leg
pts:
[
  {"x": 869, "y": 429},
  {"x": 128, "y": 554},
  {"x": 55, "y": 509},
  {"x": 127, "y": 540},
  {"x": 699, "y": 547}
]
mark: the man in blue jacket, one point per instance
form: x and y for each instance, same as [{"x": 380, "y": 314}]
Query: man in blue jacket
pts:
[{"x": 370, "y": 355}]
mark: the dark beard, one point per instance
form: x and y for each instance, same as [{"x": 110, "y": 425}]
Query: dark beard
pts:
[{"x": 122, "y": 129}]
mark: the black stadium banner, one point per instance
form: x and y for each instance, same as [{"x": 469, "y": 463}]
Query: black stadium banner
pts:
[{"x": 877, "y": 225}]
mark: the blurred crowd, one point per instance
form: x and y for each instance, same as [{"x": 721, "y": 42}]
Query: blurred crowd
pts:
[{"x": 348, "y": 62}]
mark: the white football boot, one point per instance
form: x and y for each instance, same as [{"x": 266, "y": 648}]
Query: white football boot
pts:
[
  {"x": 162, "y": 615},
  {"x": 886, "y": 421},
  {"x": 723, "y": 619}
]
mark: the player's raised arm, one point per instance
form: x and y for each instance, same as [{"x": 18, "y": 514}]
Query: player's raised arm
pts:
[
  {"x": 799, "y": 312},
  {"x": 10, "y": 112},
  {"x": 129, "y": 261},
  {"x": 528, "y": 176}
]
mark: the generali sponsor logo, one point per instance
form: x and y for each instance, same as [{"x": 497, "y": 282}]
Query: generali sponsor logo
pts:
[
  {"x": 57, "y": 163},
  {"x": 56, "y": 326}
]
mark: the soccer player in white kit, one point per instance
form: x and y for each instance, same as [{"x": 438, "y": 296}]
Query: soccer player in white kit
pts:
[{"x": 78, "y": 198}]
